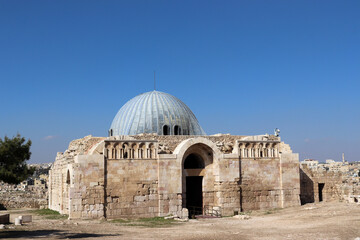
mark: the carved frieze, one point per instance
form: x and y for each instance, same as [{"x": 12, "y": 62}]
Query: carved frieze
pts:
[
  {"x": 164, "y": 148},
  {"x": 225, "y": 147}
]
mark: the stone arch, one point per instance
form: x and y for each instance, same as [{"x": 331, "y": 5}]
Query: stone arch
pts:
[
  {"x": 133, "y": 151},
  {"x": 68, "y": 180},
  {"x": 98, "y": 148},
  {"x": 186, "y": 144},
  {"x": 166, "y": 130},
  {"x": 248, "y": 150},
  {"x": 177, "y": 130},
  {"x": 261, "y": 150},
  {"x": 203, "y": 177},
  {"x": 151, "y": 151},
  {"x": 194, "y": 161},
  {"x": 141, "y": 150},
  {"x": 125, "y": 150},
  {"x": 69, "y": 175}
]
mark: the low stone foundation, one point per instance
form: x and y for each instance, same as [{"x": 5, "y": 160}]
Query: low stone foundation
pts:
[{"x": 23, "y": 199}]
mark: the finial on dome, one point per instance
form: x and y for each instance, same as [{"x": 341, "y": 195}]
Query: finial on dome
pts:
[{"x": 154, "y": 82}]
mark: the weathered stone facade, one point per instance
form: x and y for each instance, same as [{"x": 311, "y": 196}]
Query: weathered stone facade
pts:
[
  {"x": 147, "y": 175},
  {"x": 319, "y": 184}
]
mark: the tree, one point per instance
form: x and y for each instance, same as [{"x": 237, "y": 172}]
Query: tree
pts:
[{"x": 14, "y": 153}]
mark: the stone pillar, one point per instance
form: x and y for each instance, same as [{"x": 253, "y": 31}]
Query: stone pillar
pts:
[{"x": 256, "y": 149}]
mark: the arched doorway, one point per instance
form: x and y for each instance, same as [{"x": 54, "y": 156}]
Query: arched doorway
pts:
[
  {"x": 194, "y": 198},
  {"x": 197, "y": 178}
]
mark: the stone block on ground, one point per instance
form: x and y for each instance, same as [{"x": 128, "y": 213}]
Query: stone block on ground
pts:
[
  {"x": 18, "y": 221},
  {"x": 184, "y": 213},
  {"x": 26, "y": 218}
]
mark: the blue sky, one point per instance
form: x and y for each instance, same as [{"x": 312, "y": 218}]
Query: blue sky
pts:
[{"x": 243, "y": 67}]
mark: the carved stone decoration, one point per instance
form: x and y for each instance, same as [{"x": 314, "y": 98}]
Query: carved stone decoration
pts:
[
  {"x": 226, "y": 147},
  {"x": 273, "y": 138},
  {"x": 164, "y": 148}
]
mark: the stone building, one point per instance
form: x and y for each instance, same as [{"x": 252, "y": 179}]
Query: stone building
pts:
[
  {"x": 330, "y": 181},
  {"x": 158, "y": 161}
]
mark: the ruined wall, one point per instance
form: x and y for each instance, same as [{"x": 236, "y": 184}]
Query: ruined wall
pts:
[
  {"x": 57, "y": 181},
  {"x": 306, "y": 187},
  {"x": 87, "y": 193},
  {"x": 61, "y": 174},
  {"x": 23, "y": 199},
  {"x": 333, "y": 188}
]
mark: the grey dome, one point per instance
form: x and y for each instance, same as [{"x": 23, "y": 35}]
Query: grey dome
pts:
[{"x": 155, "y": 112}]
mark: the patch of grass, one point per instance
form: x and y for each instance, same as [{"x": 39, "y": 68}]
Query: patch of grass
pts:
[
  {"x": 146, "y": 222},
  {"x": 245, "y": 213},
  {"x": 46, "y": 211},
  {"x": 156, "y": 221},
  {"x": 50, "y": 214},
  {"x": 274, "y": 210},
  {"x": 63, "y": 216},
  {"x": 121, "y": 221}
]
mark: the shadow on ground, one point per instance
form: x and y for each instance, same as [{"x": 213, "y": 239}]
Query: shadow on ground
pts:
[{"x": 51, "y": 234}]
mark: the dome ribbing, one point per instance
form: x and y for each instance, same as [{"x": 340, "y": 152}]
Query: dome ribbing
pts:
[{"x": 155, "y": 112}]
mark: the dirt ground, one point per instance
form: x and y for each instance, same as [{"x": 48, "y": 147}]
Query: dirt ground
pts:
[{"x": 335, "y": 220}]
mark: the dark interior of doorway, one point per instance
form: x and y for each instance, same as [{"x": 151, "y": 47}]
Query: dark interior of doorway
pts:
[
  {"x": 321, "y": 187},
  {"x": 194, "y": 199}
]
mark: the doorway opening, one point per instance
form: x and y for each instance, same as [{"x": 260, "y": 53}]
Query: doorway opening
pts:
[
  {"x": 196, "y": 168},
  {"x": 321, "y": 187},
  {"x": 194, "y": 198}
]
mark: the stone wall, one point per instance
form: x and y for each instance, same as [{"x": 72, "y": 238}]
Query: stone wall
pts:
[
  {"x": 227, "y": 197},
  {"x": 271, "y": 182},
  {"x": 333, "y": 187},
  {"x": 23, "y": 199},
  {"x": 132, "y": 188},
  {"x": 144, "y": 175},
  {"x": 61, "y": 174},
  {"x": 88, "y": 191},
  {"x": 260, "y": 184},
  {"x": 290, "y": 180}
]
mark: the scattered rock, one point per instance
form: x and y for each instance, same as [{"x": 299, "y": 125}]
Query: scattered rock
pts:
[
  {"x": 181, "y": 219},
  {"x": 242, "y": 217}
]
